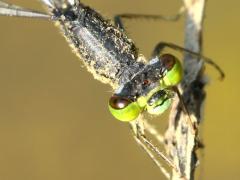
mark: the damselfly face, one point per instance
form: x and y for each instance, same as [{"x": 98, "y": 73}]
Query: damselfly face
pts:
[{"x": 150, "y": 89}]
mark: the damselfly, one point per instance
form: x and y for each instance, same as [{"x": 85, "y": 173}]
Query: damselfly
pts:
[{"x": 106, "y": 51}]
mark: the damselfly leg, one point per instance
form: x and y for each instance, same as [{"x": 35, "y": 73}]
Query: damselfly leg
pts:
[
  {"x": 161, "y": 45},
  {"x": 118, "y": 19}
]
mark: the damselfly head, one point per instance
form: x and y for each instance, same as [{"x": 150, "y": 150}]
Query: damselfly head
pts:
[{"x": 150, "y": 89}]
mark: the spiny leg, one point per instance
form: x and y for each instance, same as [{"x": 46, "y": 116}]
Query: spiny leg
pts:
[
  {"x": 151, "y": 155},
  {"x": 185, "y": 110},
  {"x": 138, "y": 130},
  {"x": 143, "y": 139},
  {"x": 118, "y": 19},
  {"x": 160, "y": 46},
  {"x": 159, "y": 153}
]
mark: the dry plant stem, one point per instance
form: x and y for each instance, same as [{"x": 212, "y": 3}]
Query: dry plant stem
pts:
[{"x": 181, "y": 143}]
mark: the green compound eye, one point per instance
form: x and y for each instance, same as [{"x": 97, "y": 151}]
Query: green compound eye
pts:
[
  {"x": 174, "y": 70},
  {"x": 124, "y": 109},
  {"x": 159, "y": 102}
]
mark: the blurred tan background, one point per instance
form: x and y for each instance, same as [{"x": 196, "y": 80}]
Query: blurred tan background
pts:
[{"x": 54, "y": 121}]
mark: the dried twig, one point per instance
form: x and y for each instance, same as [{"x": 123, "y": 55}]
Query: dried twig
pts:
[{"x": 181, "y": 142}]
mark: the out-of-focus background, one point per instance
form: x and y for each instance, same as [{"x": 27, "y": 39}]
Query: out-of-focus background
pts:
[{"x": 54, "y": 121}]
